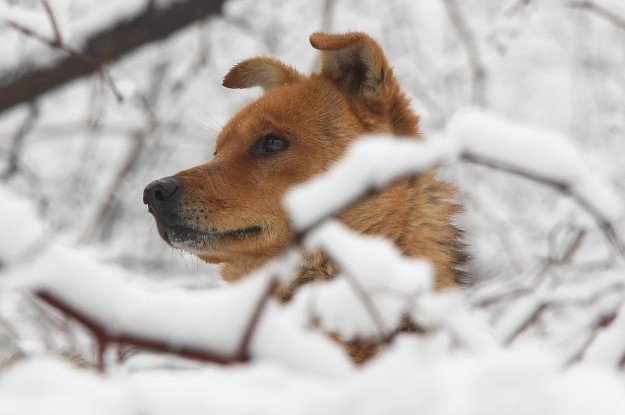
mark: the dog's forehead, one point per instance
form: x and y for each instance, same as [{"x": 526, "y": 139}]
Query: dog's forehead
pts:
[{"x": 287, "y": 106}]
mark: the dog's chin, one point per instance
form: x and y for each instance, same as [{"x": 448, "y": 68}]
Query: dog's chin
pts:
[{"x": 198, "y": 240}]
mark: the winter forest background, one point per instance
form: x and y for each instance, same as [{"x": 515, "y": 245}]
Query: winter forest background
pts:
[{"x": 535, "y": 85}]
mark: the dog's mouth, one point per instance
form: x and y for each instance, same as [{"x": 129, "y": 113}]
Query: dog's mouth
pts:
[{"x": 186, "y": 237}]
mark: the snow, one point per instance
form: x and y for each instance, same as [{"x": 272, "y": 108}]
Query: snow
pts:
[
  {"x": 212, "y": 321},
  {"x": 546, "y": 155},
  {"x": 404, "y": 381},
  {"x": 374, "y": 261},
  {"x": 26, "y": 18},
  {"x": 19, "y": 223},
  {"x": 448, "y": 311},
  {"x": 364, "y": 167},
  {"x": 554, "y": 71},
  {"x": 209, "y": 320},
  {"x": 470, "y": 134},
  {"x": 514, "y": 319},
  {"x": 391, "y": 280}
]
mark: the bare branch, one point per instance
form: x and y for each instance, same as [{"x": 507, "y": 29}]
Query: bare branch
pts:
[
  {"x": 107, "y": 45},
  {"x": 111, "y": 191},
  {"x": 18, "y": 140},
  {"x": 473, "y": 53},
  {"x": 328, "y": 15},
  {"x": 242, "y": 352},
  {"x": 604, "y": 13},
  {"x": 369, "y": 305},
  {"x": 53, "y": 23},
  {"x": 86, "y": 59},
  {"x": 531, "y": 319},
  {"x": 602, "y": 321},
  {"x": 603, "y": 223}
]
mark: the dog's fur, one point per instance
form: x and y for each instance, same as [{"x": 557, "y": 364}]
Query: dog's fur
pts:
[{"x": 233, "y": 205}]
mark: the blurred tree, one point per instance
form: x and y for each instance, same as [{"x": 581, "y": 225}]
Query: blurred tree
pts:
[{"x": 107, "y": 45}]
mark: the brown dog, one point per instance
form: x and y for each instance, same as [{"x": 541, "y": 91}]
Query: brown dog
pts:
[{"x": 230, "y": 212}]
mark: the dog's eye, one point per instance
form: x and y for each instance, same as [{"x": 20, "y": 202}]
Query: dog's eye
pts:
[{"x": 269, "y": 144}]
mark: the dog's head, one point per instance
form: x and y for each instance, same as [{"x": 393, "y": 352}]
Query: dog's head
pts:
[{"x": 230, "y": 210}]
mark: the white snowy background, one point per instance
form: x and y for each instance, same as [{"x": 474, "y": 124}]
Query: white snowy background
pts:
[{"x": 519, "y": 100}]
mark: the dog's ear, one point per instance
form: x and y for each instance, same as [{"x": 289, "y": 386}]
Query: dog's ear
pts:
[
  {"x": 355, "y": 62},
  {"x": 264, "y": 71}
]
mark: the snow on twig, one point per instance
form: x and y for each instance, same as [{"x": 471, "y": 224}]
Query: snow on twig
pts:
[
  {"x": 374, "y": 289},
  {"x": 471, "y": 136},
  {"x": 215, "y": 326}
]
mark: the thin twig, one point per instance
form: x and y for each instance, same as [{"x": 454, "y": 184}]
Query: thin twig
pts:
[
  {"x": 18, "y": 140},
  {"x": 602, "y": 321},
  {"x": 369, "y": 305},
  {"x": 529, "y": 322},
  {"x": 110, "y": 43},
  {"x": 52, "y": 43},
  {"x": 467, "y": 38},
  {"x": 609, "y": 15},
  {"x": 242, "y": 353},
  {"x": 603, "y": 223},
  {"x": 53, "y": 23},
  {"x": 110, "y": 194},
  {"x": 327, "y": 16}
]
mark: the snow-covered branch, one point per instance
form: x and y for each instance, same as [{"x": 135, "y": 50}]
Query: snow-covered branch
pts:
[
  {"x": 471, "y": 136},
  {"x": 126, "y": 330}
]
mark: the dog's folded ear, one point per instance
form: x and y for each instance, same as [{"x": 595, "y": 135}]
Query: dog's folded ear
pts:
[
  {"x": 264, "y": 71},
  {"x": 355, "y": 62}
]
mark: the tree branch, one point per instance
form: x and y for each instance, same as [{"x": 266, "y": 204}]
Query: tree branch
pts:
[
  {"x": 105, "y": 46},
  {"x": 617, "y": 20},
  {"x": 604, "y": 224},
  {"x": 467, "y": 39},
  {"x": 53, "y": 23},
  {"x": 105, "y": 336},
  {"x": 13, "y": 164}
]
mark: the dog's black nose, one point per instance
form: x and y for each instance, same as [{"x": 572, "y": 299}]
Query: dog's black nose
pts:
[{"x": 160, "y": 191}]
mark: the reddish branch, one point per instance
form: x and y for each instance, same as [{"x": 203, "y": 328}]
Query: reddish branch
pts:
[
  {"x": 105, "y": 46},
  {"x": 106, "y": 336}
]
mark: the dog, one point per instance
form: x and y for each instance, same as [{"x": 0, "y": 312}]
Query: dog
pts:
[{"x": 229, "y": 211}]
